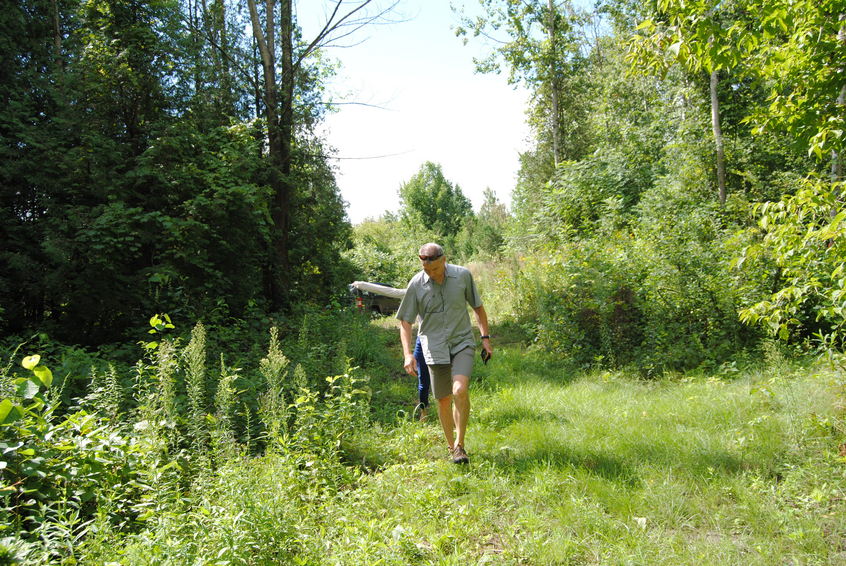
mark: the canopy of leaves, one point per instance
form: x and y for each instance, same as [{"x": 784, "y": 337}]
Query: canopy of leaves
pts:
[
  {"x": 430, "y": 200},
  {"x": 134, "y": 176}
]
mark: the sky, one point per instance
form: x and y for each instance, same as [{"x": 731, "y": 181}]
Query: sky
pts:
[{"x": 432, "y": 107}]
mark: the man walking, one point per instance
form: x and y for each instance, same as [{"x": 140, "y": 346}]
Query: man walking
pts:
[{"x": 439, "y": 295}]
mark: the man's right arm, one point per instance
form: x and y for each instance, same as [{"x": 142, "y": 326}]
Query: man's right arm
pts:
[{"x": 409, "y": 363}]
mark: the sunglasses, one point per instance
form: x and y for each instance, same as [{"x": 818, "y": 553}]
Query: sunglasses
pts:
[{"x": 429, "y": 258}]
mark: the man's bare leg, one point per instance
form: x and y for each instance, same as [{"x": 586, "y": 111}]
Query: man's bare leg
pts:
[
  {"x": 461, "y": 405},
  {"x": 446, "y": 418}
]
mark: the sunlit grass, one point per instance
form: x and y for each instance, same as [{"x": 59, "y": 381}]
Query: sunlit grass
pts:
[
  {"x": 567, "y": 467},
  {"x": 574, "y": 468}
]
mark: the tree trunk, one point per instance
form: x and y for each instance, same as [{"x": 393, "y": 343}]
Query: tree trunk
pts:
[
  {"x": 718, "y": 138},
  {"x": 279, "y": 134},
  {"x": 280, "y": 157},
  {"x": 256, "y": 70},
  {"x": 278, "y": 99},
  {"x": 836, "y": 158},
  {"x": 194, "y": 20},
  {"x": 556, "y": 127},
  {"x": 57, "y": 36},
  {"x": 213, "y": 93},
  {"x": 228, "y": 94}
]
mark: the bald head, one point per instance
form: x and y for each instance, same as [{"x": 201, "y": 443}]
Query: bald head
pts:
[{"x": 431, "y": 249}]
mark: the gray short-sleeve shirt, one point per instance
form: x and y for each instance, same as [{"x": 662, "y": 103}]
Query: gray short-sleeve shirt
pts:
[{"x": 444, "y": 321}]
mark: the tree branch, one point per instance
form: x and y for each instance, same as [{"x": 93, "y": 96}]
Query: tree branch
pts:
[
  {"x": 240, "y": 68},
  {"x": 324, "y": 39}
]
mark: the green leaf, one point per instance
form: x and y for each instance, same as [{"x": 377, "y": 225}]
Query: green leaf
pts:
[
  {"x": 28, "y": 389},
  {"x": 674, "y": 48},
  {"x": 44, "y": 375},
  {"x": 6, "y": 407},
  {"x": 9, "y": 412},
  {"x": 30, "y": 362}
]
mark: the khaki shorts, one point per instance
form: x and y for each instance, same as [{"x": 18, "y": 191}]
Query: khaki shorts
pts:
[{"x": 442, "y": 374}]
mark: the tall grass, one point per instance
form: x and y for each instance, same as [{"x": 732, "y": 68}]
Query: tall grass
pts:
[
  {"x": 602, "y": 468},
  {"x": 567, "y": 467},
  {"x": 196, "y": 387},
  {"x": 740, "y": 465}
]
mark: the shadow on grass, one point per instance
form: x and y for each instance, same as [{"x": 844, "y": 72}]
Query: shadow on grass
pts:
[
  {"x": 503, "y": 417},
  {"x": 367, "y": 458},
  {"x": 560, "y": 457},
  {"x": 393, "y": 392},
  {"x": 627, "y": 469},
  {"x": 518, "y": 366},
  {"x": 623, "y": 464}
]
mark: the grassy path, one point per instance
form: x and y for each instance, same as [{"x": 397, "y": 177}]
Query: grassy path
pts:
[{"x": 602, "y": 468}]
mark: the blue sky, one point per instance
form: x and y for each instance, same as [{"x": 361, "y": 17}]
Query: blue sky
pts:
[{"x": 435, "y": 108}]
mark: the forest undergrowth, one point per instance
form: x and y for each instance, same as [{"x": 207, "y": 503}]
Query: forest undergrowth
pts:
[
  {"x": 568, "y": 465},
  {"x": 735, "y": 466}
]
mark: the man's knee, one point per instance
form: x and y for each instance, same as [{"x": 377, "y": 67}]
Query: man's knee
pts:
[{"x": 460, "y": 385}]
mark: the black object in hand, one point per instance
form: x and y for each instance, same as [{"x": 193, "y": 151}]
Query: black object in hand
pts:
[{"x": 485, "y": 356}]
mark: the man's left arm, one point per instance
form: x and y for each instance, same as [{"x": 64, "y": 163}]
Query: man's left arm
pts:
[{"x": 482, "y": 321}]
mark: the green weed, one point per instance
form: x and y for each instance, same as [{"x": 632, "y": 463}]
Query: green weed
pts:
[{"x": 568, "y": 466}]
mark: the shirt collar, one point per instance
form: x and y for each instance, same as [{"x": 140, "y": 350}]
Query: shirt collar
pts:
[{"x": 449, "y": 271}]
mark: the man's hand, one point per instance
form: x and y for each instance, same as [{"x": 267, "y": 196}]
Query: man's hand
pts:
[
  {"x": 486, "y": 346},
  {"x": 410, "y": 365},
  {"x": 409, "y": 362}
]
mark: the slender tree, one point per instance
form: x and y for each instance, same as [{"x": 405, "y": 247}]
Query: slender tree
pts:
[
  {"x": 718, "y": 135},
  {"x": 694, "y": 35},
  {"x": 539, "y": 43},
  {"x": 277, "y": 99},
  {"x": 837, "y": 156}
]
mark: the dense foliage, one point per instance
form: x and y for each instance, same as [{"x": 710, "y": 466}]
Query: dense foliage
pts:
[
  {"x": 628, "y": 247},
  {"x": 682, "y": 198},
  {"x": 117, "y": 460},
  {"x": 135, "y": 177},
  {"x": 633, "y": 238}
]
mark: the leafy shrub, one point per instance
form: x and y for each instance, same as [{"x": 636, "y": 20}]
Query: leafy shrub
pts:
[
  {"x": 117, "y": 465},
  {"x": 57, "y": 473},
  {"x": 660, "y": 296},
  {"x": 584, "y": 195},
  {"x": 384, "y": 249},
  {"x": 327, "y": 342},
  {"x": 802, "y": 238}
]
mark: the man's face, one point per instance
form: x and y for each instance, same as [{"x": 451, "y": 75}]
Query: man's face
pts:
[{"x": 433, "y": 267}]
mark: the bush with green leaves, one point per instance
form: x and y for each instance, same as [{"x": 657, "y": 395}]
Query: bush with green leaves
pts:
[
  {"x": 796, "y": 263},
  {"x": 659, "y": 295},
  {"x": 483, "y": 235},
  {"x": 120, "y": 463},
  {"x": 60, "y": 473},
  {"x": 384, "y": 250},
  {"x": 583, "y": 192}
]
